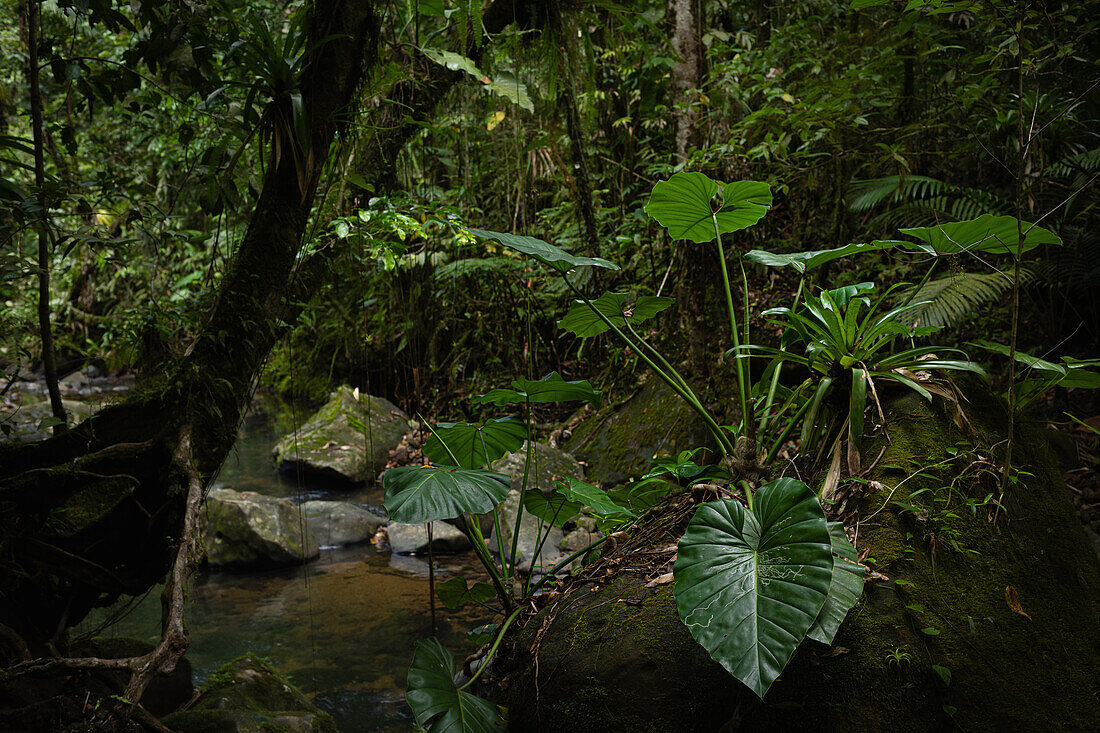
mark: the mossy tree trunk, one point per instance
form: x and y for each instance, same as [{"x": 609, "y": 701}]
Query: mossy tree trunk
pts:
[{"x": 108, "y": 508}]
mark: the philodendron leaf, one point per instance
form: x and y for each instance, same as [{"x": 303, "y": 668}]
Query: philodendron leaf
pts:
[
  {"x": 750, "y": 584},
  {"x": 804, "y": 261},
  {"x": 615, "y": 307},
  {"x": 544, "y": 252},
  {"x": 987, "y": 233},
  {"x": 454, "y": 593},
  {"x": 845, "y": 589},
  {"x": 593, "y": 497},
  {"x": 555, "y": 509},
  {"x": 685, "y": 203},
  {"x": 435, "y": 699},
  {"x": 551, "y": 388},
  {"x": 420, "y": 494},
  {"x": 473, "y": 445}
]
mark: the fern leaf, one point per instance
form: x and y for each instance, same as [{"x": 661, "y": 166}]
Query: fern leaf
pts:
[{"x": 949, "y": 299}]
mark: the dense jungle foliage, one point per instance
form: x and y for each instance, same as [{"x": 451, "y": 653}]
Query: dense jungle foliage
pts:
[{"x": 777, "y": 209}]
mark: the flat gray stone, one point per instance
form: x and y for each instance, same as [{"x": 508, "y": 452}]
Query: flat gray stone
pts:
[
  {"x": 340, "y": 522},
  {"x": 412, "y": 539}
]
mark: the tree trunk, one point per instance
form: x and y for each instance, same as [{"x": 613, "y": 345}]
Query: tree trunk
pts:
[
  {"x": 684, "y": 15},
  {"x": 100, "y": 511}
]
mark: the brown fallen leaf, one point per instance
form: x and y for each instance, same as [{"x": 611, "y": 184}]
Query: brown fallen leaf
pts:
[
  {"x": 836, "y": 651},
  {"x": 659, "y": 580},
  {"x": 1012, "y": 598}
]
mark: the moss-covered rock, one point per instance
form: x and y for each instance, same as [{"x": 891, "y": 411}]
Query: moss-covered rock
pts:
[
  {"x": 248, "y": 695},
  {"x": 349, "y": 439},
  {"x": 615, "y": 657},
  {"x": 618, "y": 441},
  {"x": 547, "y": 466},
  {"x": 247, "y": 528}
]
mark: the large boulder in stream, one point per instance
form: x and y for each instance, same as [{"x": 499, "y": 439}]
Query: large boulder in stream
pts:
[
  {"x": 618, "y": 441},
  {"x": 340, "y": 522},
  {"x": 951, "y": 590},
  {"x": 247, "y": 695},
  {"x": 347, "y": 440},
  {"x": 241, "y": 529},
  {"x": 547, "y": 466},
  {"x": 412, "y": 539}
]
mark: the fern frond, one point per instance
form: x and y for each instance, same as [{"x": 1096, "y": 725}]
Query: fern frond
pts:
[
  {"x": 951, "y": 298},
  {"x": 866, "y": 194}
]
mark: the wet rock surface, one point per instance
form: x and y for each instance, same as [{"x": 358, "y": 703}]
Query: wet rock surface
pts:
[{"x": 249, "y": 529}]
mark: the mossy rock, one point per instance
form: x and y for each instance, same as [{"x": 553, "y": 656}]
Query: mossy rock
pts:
[
  {"x": 615, "y": 657},
  {"x": 347, "y": 440},
  {"x": 547, "y": 466},
  {"x": 246, "y": 528},
  {"x": 618, "y": 441},
  {"x": 248, "y": 695}
]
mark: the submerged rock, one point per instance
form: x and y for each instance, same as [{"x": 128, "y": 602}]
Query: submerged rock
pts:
[
  {"x": 349, "y": 439},
  {"x": 412, "y": 539},
  {"x": 247, "y": 695},
  {"x": 340, "y": 522},
  {"x": 614, "y": 656},
  {"x": 253, "y": 529},
  {"x": 619, "y": 441}
]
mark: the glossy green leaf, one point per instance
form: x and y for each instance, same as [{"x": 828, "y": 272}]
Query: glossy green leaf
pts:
[
  {"x": 641, "y": 496},
  {"x": 551, "y": 388},
  {"x": 420, "y": 494},
  {"x": 845, "y": 589},
  {"x": 435, "y": 699},
  {"x": 591, "y": 496},
  {"x": 509, "y": 87},
  {"x": 544, "y": 252},
  {"x": 804, "y": 261},
  {"x": 473, "y": 445},
  {"x": 987, "y": 233},
  {"x": 750, "y": 584},
  {"x": 554, "y": 509},
  {"x": 455, "y": 593},
  {"x": 685, "y": 203},
  {"x": 615, "y": 307}
]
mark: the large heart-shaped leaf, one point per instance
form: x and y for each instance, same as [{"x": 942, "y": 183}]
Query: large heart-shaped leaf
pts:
[
  {"x": 551, "y": 388},
  {"x": 845, "y": 589},
  {"x": 987, "y": 233},
  {"x": 544, "y": 252},
  {"x": 455, "y": 593},
  {"x": 421, "y": 494},
  {"x": 805, "y": 261},
  {"x": 615, "y": 307},
  {"x": 750, "y": 584},
  {"x": 684, "y": 204},
  {"x": 473, "y": 445},
  {"x": 435, "y": 699}
]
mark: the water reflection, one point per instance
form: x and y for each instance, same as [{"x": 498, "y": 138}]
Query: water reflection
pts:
[{"x": 343, "y": 627}]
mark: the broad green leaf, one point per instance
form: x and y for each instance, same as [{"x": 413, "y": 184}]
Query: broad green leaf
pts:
[
  {"x": 641, "y": 496},
  {"x": 845, "y": 589},
  {"x": 803, "y": 261},
  {"x": 615, "y": 307},
  {"x": 987, "y": 233},
  {"x": 454, "y": 593},
  {"x": 474, "y": 445},
  {"x": 684, "y": 204},
  {"x": 750, "y": 584},
  {"x": 551, "y": 388},
  {"x": 435, "y": 699},
  {"x": 593, "y": 497},
  {"x": 453, "y": 61},
  {"x": 508, "y": 86},
  {"x": 544, "y": 252},
  {"x": 421, "y": 494},
  {"x": 554, "y": 509}
]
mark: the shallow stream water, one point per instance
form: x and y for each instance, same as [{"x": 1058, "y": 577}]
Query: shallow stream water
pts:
[{"x": 343, "y": 627}]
